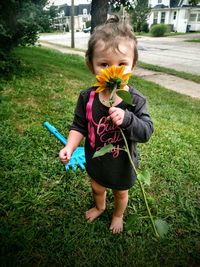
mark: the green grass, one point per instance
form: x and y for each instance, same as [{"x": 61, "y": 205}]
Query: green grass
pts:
[
  {"x": 42, "y": 208},
  {"x": 193, "y": 41},
  {"x": 181, "y": 74},
  {"x": 138, "y": 34}
]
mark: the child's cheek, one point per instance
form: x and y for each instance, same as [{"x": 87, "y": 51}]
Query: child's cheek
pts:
[{"x": 128, "y": 69}]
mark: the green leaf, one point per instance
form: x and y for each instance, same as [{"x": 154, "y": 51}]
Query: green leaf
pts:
[
  {"x": 132, "y": 222},
  {"x": 144, "y": 177},
  {"x": 162, "y": 227},
  {"x": 126, "y": 96},
  {"x": 103, "y": 151}
]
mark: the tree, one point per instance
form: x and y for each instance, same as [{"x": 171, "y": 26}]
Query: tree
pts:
[
  {"x": 46, "y": 20},
  {"x": 138, "y": 10},
  {"x": 116, "y": 5},
  {"x": 19, "y": 24},
  {"x": 194, "y": 2},
  {"x": 139, "y": 13},
  {"x": 53, "y": 11},
  {"x": 99, "y": 11}
]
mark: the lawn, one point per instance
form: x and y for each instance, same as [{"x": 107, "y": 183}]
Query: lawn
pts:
[
  {"x": 193, "y": 41},
  {"x": 181, "y": 74},
  {"x": 42, "y": 207}
]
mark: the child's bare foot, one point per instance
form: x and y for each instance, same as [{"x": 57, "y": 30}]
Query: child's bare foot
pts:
[
  {"x": 93, "y": 213},
  {"x": 116, "y": 226}
]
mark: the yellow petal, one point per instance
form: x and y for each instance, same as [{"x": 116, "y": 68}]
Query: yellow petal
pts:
[
  {"x": 105, "y": 74},
  {"x": 120, "y": 71},
  {"x": 111, "y": 72},
  {"x": 100, "y": 89},
  {"x": 126, "y": 76},
  {"x": 101, "y": 78},
  {"x": 97, "y": 84}
]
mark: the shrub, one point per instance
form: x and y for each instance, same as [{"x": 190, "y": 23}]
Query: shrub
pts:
[
  {"x": 145, "y": 27},
  {"x": 158, "y": 30},
  {"x": 9, "y": 64},
  {"x": 67, "y": 28},
  {"x": 170, "y": 27},
  {"x": 88, "y": 24},
  {"x": 20, "y": 22}
]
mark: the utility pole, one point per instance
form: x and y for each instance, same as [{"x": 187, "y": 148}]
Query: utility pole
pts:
[{"x": 72, "y": 24}]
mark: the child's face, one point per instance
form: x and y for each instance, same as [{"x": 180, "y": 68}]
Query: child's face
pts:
[{"x": 104, "y": 57}]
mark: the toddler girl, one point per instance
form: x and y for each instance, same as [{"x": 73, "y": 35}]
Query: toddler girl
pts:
[{"x": 111, "y": 44}]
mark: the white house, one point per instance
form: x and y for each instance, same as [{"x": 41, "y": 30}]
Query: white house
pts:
[
  {"x": 179, "y": 14},
  {"x": 81, "y": 16}
]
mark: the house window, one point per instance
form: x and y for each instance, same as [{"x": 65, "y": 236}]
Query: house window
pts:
[
  {"x": 174, "y": 15},
  {"x": 162, "y": 20},
  {"x": 85, "y": 11},
  {"x": 159, "y": 1},
  {"x": 198, "y": 19},
  {"x": 193, "y": 17},
  {"x": 155, "y": 17}
]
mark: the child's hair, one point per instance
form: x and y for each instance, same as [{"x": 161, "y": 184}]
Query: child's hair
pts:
[{"x": 110, "y": 33}]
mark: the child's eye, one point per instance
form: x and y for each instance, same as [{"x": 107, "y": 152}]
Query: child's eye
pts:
[
  {"x": 104, "y": 65},
  {"x": 122, "y": 64}
]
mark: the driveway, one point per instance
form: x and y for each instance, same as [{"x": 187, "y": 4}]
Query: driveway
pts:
[{"x": 171, "y": 52}]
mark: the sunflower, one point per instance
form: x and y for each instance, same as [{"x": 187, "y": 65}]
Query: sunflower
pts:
[{"x": 112, "y": 78}]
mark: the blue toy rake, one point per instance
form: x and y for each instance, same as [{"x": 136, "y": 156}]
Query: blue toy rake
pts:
[{"x": 78, "y": 156}]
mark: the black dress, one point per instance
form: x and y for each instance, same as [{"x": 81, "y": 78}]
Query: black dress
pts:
[{"x": 113, "y": 170}]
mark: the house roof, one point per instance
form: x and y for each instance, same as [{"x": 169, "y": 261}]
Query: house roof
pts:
[
  {"x": 78, "y": 10},
  {"x": 176, "y": 3},
  {"x": 160, "y": 6}
]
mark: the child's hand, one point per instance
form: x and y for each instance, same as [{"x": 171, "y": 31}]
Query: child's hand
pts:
[
  {"x": 65, "y": 155},
  {"x": 116, "y": 115}
]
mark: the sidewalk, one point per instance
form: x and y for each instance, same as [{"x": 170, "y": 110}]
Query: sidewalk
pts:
[{"x": 171, "y": 82}]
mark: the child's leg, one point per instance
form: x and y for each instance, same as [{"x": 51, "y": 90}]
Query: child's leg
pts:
[
  {"x": 121, "y": 201},
  {"x": 99, "y": 195}
]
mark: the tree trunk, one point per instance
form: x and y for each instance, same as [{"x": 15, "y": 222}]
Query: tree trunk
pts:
[{"x": 99, "y": 11}]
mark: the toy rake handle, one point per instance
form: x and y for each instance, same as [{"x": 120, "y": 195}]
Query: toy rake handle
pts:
[{"x": 55, "y": 132}]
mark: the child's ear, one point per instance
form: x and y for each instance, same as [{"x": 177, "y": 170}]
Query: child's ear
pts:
[{"x": 134, "y": 64}]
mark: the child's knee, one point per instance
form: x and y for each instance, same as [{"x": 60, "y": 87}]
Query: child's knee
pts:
[
  {"x": 119, "y": 194},
  {"x": 97, "y": 188}
]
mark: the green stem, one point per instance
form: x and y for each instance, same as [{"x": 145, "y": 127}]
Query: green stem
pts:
[
  {"x": 112, "y": 95},
  {"x": 141, "y": 186},
  {"x": 128, "y": 152},
  {"x": 134, "y": 168},
  {"x": 148, "y": 210}
]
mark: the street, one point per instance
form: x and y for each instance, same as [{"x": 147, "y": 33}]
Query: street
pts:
[{"x": 171, "y": 52}]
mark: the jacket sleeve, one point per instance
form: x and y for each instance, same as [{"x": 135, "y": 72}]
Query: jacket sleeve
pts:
[{"x": 137, "y": 124}]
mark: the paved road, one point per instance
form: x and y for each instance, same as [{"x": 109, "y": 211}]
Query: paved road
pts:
[
  {"x": 81, "y": 39},
  {"x": 171, "y": 52}
]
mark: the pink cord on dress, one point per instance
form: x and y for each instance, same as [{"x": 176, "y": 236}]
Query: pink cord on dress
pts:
[{"x": 91, "y": 132}]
